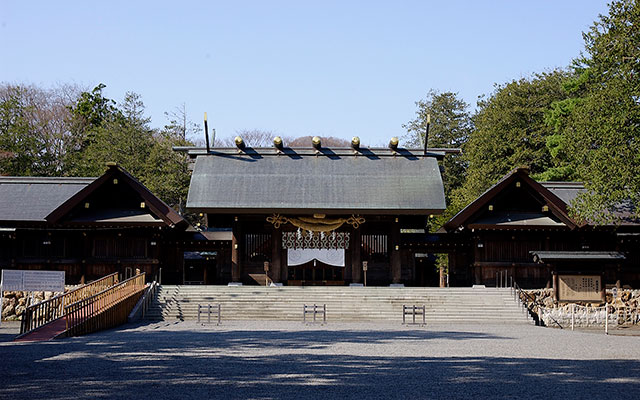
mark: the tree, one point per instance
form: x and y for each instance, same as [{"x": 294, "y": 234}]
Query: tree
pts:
[
  {"x": 510, "y": 131},
  {"x": 36, "y": 134},
  {"x": 600, "y": 126},
  {"x": 252, "y": 137},
  {"x": 17, "y": 145},
  {"x": 122, "y": 135},
  {"x": 180, "y": 125},
  {"x": 450, "y": 127}
]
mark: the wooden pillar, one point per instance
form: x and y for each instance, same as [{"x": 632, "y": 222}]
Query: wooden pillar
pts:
[
  {"x": 87, "y": 243},
  {"x": 396, "y": 265},
  {"x": 356, "y": 258},
  {"x": 236, "y": 271},
  {"x": 276, "y": 252}
]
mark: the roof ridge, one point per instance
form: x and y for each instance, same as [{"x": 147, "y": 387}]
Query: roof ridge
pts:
[{"x": 45, "y": 179}]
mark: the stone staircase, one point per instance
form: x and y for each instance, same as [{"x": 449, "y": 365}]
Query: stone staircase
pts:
[{"x": 348, "y": 304}]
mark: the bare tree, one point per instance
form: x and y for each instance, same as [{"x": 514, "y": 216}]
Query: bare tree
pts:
[
  {"x": 47, "y": 117},
  {"x": 331, "y": 141},
  {"x": 181, "y": 126},
  {"x": 252, "y": 137}
]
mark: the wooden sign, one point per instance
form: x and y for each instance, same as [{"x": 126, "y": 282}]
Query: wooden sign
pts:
[{"x": 579, "y": 288}]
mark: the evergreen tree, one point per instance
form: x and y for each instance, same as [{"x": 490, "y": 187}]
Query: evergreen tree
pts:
[{"x": 599, "y": 128}]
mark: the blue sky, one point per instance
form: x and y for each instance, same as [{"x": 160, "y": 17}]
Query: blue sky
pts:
[{"x": 328, "y": 68}]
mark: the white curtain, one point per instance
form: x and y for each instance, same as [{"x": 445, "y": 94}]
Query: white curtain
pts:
[{"x": 333, "y": 257}]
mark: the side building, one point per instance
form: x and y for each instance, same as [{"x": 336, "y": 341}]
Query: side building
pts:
[
  {"x": 88, "y": 227},
  {"x": 521, "y": 229}
]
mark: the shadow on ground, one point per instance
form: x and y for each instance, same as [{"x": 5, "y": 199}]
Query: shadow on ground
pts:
[{"x": 247, "y": 364}]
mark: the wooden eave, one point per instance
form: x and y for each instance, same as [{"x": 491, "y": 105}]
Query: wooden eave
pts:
[
  {"x": 487, "y": 227},
  {"x": 556, "y": 205},
  {"x": 157, "y": 206}
]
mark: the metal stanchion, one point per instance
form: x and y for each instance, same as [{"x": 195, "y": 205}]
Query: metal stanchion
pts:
[
  {"x": 573, "y": 313},
  {"x": 606, "y": 319}
]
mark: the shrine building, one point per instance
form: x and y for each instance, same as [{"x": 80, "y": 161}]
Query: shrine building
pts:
[{"x": 313, "y": 216}]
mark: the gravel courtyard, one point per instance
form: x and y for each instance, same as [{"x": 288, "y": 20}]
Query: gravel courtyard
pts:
[{"x": 272, "y": 360}]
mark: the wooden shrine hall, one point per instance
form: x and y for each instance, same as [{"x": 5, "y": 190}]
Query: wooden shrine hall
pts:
[
  {"x": 317, "y": 215},
  {"x": 523, "y": 229},
  {"x": 88, "y": 227}
]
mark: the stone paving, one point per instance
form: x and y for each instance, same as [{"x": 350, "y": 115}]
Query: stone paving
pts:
[{"x": 274, "y": 360}]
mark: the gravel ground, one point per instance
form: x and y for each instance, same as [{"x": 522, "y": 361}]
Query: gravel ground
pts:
[{"x": 273, "y": 360}]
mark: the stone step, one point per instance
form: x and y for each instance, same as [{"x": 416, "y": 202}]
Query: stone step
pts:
[{"x": 343, "y": 303}]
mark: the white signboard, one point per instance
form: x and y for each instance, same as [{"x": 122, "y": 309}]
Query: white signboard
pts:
[
  {"x": 32, "y": 281},
  {"x": 11, "y": 280}
]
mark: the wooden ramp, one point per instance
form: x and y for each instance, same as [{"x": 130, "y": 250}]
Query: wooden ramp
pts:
[{"x": 90, "y": 313}]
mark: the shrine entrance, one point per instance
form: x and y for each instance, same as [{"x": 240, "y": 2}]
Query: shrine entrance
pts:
[
  {"x": 315, "y": 258},
  {"x": 315, "y": 267}
]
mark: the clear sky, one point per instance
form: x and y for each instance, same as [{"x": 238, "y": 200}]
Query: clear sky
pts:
[{"x": 328, "y": 68}]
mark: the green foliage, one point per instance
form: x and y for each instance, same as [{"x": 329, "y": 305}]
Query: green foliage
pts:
[
  {"x": 510, "y": 131},
  {"x": 68, "y": 132},
  {"x": 17, "y": 145},
  {"x": 601, "y": 128},
  {"x": 450, "y": 127}
]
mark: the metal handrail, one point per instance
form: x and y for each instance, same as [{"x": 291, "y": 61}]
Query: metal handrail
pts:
[
  {"x": 142, "y": 306},
  {"x": 520, "y": 293},
  {"x": 40, "y": 314}
]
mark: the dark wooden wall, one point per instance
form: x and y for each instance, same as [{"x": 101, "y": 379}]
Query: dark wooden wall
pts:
[{"x": 85, "y": 255}]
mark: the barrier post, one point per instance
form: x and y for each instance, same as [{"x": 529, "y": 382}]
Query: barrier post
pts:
[
  {"x": 606, "y": 319},
  {"x": 404, "y": 309},
  {"x": 573, "y": 312}
]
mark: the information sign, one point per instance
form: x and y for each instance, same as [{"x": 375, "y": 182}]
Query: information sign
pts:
[
  {"x": 11, "y": 280},
  {"x": 32, "y": 281},
  {"x": 579, "y": 288}
]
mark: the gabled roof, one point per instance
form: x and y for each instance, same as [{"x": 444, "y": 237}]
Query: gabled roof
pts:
[
  {"x": 31, "y": 199},
  {"x": 331, "y": 182},
  {"x": 160, "y": 211},
  {"x": 475, "y": 215}
]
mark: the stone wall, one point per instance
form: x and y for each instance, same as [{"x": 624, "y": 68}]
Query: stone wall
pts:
[
  {"x": 14, "y": 303},
  {"x": 624, "y": 309}
]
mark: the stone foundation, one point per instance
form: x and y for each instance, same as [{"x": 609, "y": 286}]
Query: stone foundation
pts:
[{"x": 624, "y": 309}]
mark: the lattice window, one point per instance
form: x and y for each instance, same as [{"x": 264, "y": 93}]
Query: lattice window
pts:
[
  {"x": 375, "y": 247},
  {"x": 315, "y": 240},
  {"x": 257, "y": 247}
]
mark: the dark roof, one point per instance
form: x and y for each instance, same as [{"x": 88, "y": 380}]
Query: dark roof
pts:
[
  {"x": 260, "y": 180},
  {"x": 157, "y": 207},
  {"x": 31, "y": 199},
  {"x": 49, "y": 200},
  {"x": 471, "y": 214},
  {"x": 542, "y": 256},
  {"x": 566, "y": 191},
  {"x": 371, "y": 152},
  {"x": 515, "y": 219}
]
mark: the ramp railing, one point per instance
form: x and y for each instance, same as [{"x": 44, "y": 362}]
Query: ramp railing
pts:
[
  {"x": 109, "y": 308},
  {"x": 43, "y": 313}
]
